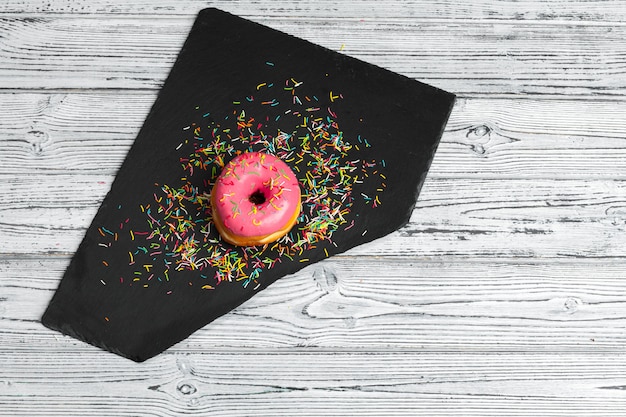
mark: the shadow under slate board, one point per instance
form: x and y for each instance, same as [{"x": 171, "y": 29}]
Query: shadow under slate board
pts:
[{"x": 152, "y": 269}]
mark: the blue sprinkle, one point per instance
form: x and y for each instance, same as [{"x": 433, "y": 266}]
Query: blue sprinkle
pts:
[
  {"x": 271, "y": 64},
  {"x": 206, "y": 114}
]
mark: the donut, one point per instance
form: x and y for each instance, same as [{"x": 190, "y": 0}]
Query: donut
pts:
[{"x": 255, "y": 200}]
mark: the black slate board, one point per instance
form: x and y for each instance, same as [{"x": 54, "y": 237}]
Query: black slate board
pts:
[{"x": 151, "y": 269}]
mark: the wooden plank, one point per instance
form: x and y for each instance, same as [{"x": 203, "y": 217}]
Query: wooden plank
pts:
[
  {"x": 524, "y": 218},
  {"x": 322, "y": 403},
  {"x": 306, "y": 382},
  {"x": 570, "y": 10},
  {"x": 377, "y": 304},
  {"x": 467, "y": 58},
  {"x": 90, "y": 133}
]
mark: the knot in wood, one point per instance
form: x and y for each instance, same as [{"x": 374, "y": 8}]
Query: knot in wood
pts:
[
  {"x": 572, "y": 304},
  {"x": 186, "y": 388},
  {"x": 478, "y": 132},
  {"x": 184, "y": 366},
  {"x": 37, "y": 139},
  {"x": 478, "y": 148}
]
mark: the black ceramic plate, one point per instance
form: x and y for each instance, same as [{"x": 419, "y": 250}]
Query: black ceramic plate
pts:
[{"x": 151, "y": 269}]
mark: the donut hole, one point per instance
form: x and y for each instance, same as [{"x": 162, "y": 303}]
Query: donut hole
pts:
[{"x": 257, "y": 198}]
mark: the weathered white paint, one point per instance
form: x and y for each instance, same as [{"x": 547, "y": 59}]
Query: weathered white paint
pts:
[
  {"x": 577, "y": 11},
  {"x": 468, "y": 57},
  {"x": 504, "y": 296},
  {"x": 526, "y": 137}
]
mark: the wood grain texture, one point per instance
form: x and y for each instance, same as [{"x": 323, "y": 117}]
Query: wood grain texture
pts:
[
  {"x": 589, "y": 11},
  {"x": 503, "y": 296},
  {"x": 311, "y": 383},
  {"x": 350, "y": 304},
  {"x": 468, "y": 59},
  {"x": 526, "y": 218},
  {"x": 62, "y": 133}
]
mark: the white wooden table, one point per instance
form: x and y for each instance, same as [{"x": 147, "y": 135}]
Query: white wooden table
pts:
[{"x": 505, "y": 296}]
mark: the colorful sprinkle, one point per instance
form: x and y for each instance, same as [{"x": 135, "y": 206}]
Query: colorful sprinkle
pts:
[{"x": 178, "y": 227}]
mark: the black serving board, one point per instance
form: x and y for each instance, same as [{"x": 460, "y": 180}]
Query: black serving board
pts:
[{"x": 151, "y": 268}]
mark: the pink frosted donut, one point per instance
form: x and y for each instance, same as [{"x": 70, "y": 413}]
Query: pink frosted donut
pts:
[{"x": 255, "y": 200}]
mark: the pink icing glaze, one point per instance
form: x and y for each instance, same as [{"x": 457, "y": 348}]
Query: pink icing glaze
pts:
[{"x": 256, "y": 194}]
